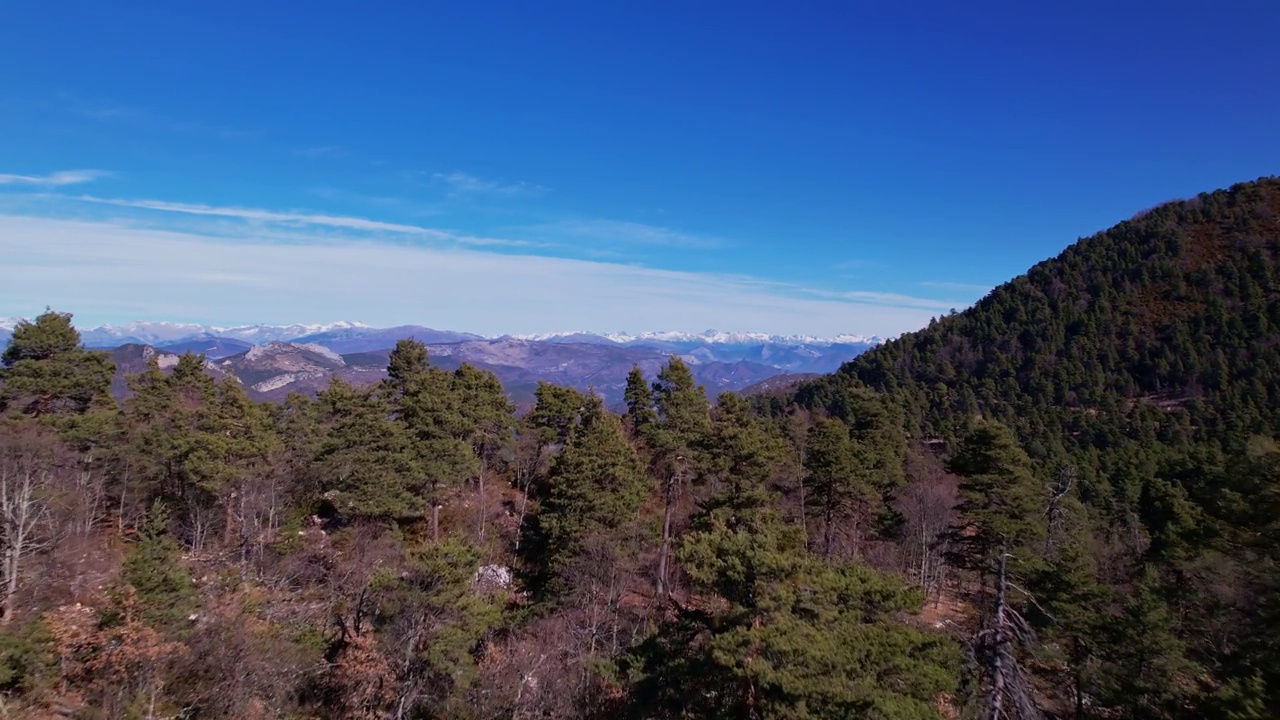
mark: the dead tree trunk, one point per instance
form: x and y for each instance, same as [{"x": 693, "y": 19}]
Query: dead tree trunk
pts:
[
  {"x": 1010, "y": 693},
  {"x": 665, "y": 551},
  {"x": 999, "y": 659},
  {"x": 669, "y": 495},
  {"x": 21, "y": 511},
  {"x": 480, "y": 504}
]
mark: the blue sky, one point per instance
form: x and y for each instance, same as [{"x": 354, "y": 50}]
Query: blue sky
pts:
[{"x": 530, "y": 167}]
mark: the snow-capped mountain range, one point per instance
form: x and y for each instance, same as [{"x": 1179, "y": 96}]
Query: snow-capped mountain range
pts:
[
  {"x": 274, "y": 360},
  {"x": 159, "y": 333},
  {"x": 713, "y": 337},
  {"x": 152, "y": 333}
]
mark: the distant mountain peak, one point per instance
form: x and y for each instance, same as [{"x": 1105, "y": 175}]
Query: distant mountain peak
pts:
[
  {"x": 710, "y": 337},
  {"x": 164, "y": 332}
]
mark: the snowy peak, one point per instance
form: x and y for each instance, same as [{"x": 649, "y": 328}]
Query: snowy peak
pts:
[
  {"x": 709, "y": 337},
  {"x": 350, "y": 335},
  {"x": 259, "y": 334},
  {"x": 160, "y": 333}
]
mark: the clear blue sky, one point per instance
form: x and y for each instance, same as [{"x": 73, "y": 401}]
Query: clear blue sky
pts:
[{"x": 537, "y": 166}]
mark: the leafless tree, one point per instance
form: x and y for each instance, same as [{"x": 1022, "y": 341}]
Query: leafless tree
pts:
[
  {"x": 927, "y": 505},
  {"x": 1009, "y": 689},
  {"x": 26, "y": 467}
]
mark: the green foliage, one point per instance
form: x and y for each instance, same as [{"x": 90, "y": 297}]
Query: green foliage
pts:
[
  {"x": 485, "y": 409},
  {"x": 444, "y": 418},
  {"x": 27, "y": 658},
  {"x": 1001, "y": 503},
  {"x": 153, "y": 567},
  {"x": 785, "y": 635},
  {"x": 639, "y": 398},
  {"x": 1146, "y": 669},
  {"x": 46, "y": 371},
  {"x": 432, "y": 618},
  {"x": 683, "y": 410},
  {"x": 367, "y": 461},
  {"x": 557, "y": 412},
  {"x": 741, "y": 453},
  {"x": 596, "y": 486},
  {"x": 1145, "y": 357},
  {"x": 841, "y": 478}
]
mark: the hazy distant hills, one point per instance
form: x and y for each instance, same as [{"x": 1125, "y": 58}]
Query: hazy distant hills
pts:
[{"x": 272, "y": 361}]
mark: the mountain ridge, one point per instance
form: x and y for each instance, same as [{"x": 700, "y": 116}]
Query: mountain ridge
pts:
[
  {"x": 721, "y": 360},
  {"x": 164, "y": 332}
]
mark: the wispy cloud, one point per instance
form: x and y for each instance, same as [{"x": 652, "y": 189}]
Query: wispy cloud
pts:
[
  {"x": 889, "y": 299},
  {"x": 302, "y": 219},
  {"x": 460, "y": 183},
  {"x": 57, "y": 179},
  {"x": 957, "y": 286},
  {"x": 613, "y": 233},
  {"x": 112, "y": 270}
]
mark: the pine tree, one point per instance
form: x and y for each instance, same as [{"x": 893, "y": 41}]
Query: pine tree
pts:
[
  {"x": 1146, "y": 670},
  {"x": 488, "y": 416},
  {"x": 556, "y": 412},
  {"x": 639, "y": 398},
  {"x": 782, "y": 634},
  {"x": 367, "y": 463},
  {"x": 741, "y": 452},
  {"x": 839, "y": 480},
  {"x": 596, "y": 485},
  {"x": 46, "y": 370},
  {"x": 1001, "y": 503},
  {"x": 429, "y": 415},
  {"x": 677, "y": 441},
  {"x": 1000, "y": 514},
  {"x": 1070, "y": 600},
  {"x": 153, "y": 570},
  {"x": 682, "y": 407},
  {"x": 172, "y": 441},
  {"x": 430, "y": 620}
]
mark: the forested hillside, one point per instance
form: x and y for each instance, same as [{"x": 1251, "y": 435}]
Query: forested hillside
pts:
[
  {"x": 1170, "y": 320},
  {"x": 1140, "y": 370},
  {"x": 1063, "y": 502}
]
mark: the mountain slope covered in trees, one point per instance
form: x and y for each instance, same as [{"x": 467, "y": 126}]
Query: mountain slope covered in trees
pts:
[
  {"x": 1140, "y": 372},
  {"x": 1169, "y": 321}
]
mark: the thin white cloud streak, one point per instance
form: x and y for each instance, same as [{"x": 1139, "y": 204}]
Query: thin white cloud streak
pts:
[
  {"x": 958, "y": 286},
  {"x": 894, "y": 299},
  {"x": 107, "y": 272},
  {"x": 613, "y": 233},
  {"x": 57, "y": 179},
  {"x": 460, "y": 183},
  {"x": 297, "y": 218}
]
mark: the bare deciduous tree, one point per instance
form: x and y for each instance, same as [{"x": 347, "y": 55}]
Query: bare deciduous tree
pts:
[{"x": 26, "y": 465}]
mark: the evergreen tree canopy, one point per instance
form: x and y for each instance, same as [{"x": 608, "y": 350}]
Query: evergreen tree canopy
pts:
[
  {"x": 596, "y": 484},
  {"x": 1001, "y": 503},
  {"x": 46, "y": 370},
  {"x": 368, "y": 463},
  {"x": 782, "y": 633}
]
